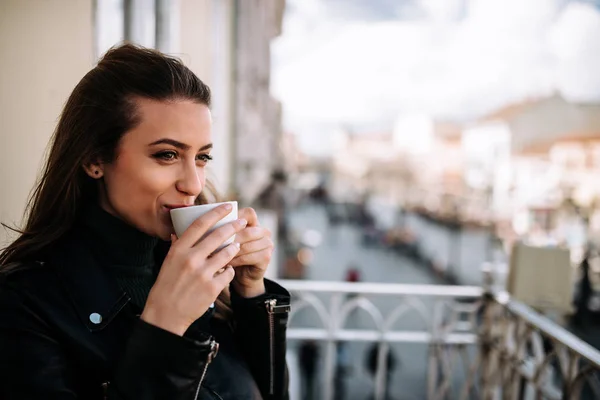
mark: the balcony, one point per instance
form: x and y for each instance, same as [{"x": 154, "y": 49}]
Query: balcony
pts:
[{"x": 479, "y": 344}]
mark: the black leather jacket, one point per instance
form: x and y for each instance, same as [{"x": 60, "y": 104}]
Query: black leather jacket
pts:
[{"x": 68, "y": 332}]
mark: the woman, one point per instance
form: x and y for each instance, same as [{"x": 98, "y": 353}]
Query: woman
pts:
[{"x": 98, "y": 298}]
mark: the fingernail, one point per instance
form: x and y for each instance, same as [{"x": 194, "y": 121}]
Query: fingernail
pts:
[
  {"x": 236, "y": 244},
  {"x": 227, "y": 207},
  {"x": 242, "y": 222}
]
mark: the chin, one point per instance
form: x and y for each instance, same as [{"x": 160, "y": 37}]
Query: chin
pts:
[
  {"x": 164, "y": 233},
  {"x": 164, "y": 229}
]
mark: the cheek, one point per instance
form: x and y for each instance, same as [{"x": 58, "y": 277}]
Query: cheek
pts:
[{"x": 134, "y": 185}]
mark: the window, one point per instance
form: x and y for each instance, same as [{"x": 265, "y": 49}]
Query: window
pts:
[
  {"x": 110, "y": 27},
  {"x": 150, "y": 23}
]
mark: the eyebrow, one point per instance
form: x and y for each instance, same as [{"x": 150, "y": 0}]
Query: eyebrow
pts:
[{"x": 178, "y": 144}]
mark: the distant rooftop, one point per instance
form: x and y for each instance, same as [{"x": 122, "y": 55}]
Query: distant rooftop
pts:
[{"x": 536, "y": 124}]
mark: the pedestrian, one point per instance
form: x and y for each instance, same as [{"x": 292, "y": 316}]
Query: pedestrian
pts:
[
  {"x": 582, "y": 316},
  {"x": 99, "y": 299},
  {"x": 343, "y": 368},
  {"x": 274, "y": 197},
  {"x": 352, "y": 276},
  {"x": 309, "y": 355},
  {"x": 389, "y": 362}
]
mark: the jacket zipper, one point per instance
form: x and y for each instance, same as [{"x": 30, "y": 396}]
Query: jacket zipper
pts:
[
  {"x": 215, "y": 394},
  {"x": 105, "y": 390},
  {"x": 272, "y": 309},
  {"x": 214, "y": 349}
]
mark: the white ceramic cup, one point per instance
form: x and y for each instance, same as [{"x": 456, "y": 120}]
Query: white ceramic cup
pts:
[{"x": 183, "y": 217}]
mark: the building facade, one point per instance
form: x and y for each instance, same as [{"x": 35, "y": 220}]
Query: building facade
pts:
[{"x": 258, "y": 115}]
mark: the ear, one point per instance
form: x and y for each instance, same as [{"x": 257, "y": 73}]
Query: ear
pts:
[{"x": 94, "y": 170}]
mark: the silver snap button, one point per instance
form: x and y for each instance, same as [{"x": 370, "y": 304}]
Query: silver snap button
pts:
[{"x": 95, "y": 318}]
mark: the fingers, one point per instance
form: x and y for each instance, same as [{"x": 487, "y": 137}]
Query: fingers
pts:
[
  {"x": 221, "y": 258},
  {"x": 252, "y": 233},
  {"x": 216, "y": 238},
  {"x": 249, "y": 215},
  {"x": 255, "y": 245},
  {"x": 219, "y": 280},
  {"x": 224, "y": 278},
  {"x": 260, "y": 258},
  {"x": 200, "y": 226}
]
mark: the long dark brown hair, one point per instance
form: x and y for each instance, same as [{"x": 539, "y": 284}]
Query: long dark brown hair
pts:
[{"x": 99, "y": 111}]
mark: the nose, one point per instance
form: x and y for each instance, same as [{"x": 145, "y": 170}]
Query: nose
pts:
[{"x": 191, "y": 180}]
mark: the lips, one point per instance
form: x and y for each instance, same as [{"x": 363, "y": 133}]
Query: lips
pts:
[{"x": 175, "y": 206}]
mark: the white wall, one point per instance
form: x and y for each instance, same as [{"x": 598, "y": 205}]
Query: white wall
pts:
[{"x": 45, "y": 48}]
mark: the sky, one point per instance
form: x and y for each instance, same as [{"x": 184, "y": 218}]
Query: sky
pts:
[{"x": 362, "y": 63}]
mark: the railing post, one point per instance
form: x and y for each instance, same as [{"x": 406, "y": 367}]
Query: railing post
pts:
[
  {"x": 331, "y": 347},
  {"x": 433, "y": 371},
  {"x": 486, "y": 335},
  {"x": 485, "y": 348},
  {"x": 382, "y": 369},
  {"x": 571, "y": 386}
]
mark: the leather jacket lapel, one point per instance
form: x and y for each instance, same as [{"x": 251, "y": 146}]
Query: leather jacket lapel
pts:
[{"x": 94, "y": 293}]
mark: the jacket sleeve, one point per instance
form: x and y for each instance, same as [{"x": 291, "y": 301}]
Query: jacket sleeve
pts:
[
  {"x": 156, "y": 364},
  {"x": 260, "y": 333}
]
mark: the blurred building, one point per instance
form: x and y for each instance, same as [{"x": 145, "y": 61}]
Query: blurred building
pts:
[
  {"x": 295, "y": 160},
  {"x": 567, "y": 136},
  {"x": 363, "y": 163},
  {"x": 441, "y": 169},
  {"x": 394, "y": 166},
  {"x": 540, "y": 158},
  {"x": 487, "y": 162},
  {"x": 257, "y": 113},
  {"x": 53, "y": 44}
]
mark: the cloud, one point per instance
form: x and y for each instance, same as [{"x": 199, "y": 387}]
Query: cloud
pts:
[
  {"x": 576, "y": 41},
  {"x": 466, "y": 59}
]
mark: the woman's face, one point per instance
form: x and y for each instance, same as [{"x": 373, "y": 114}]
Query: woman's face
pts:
[{"x": 160, "y": 165}]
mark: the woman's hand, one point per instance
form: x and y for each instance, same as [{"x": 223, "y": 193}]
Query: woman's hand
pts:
[
  {"x": 251, "y": 262},
  {"x": 190, "y": 278}
]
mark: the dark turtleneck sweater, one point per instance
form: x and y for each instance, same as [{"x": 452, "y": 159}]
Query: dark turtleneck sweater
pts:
[{"x": 127, "y": 253}]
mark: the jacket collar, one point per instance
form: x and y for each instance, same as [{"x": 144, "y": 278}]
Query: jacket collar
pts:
[{"x": 94, "y": 293}]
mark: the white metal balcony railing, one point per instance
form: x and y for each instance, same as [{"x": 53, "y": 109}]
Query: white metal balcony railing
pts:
[{"x": 503, "y": 349}]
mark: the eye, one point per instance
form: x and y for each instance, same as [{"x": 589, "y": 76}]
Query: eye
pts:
[
  {"x": 205, "y": 158},
  {"x": 166, "y": 155}
]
